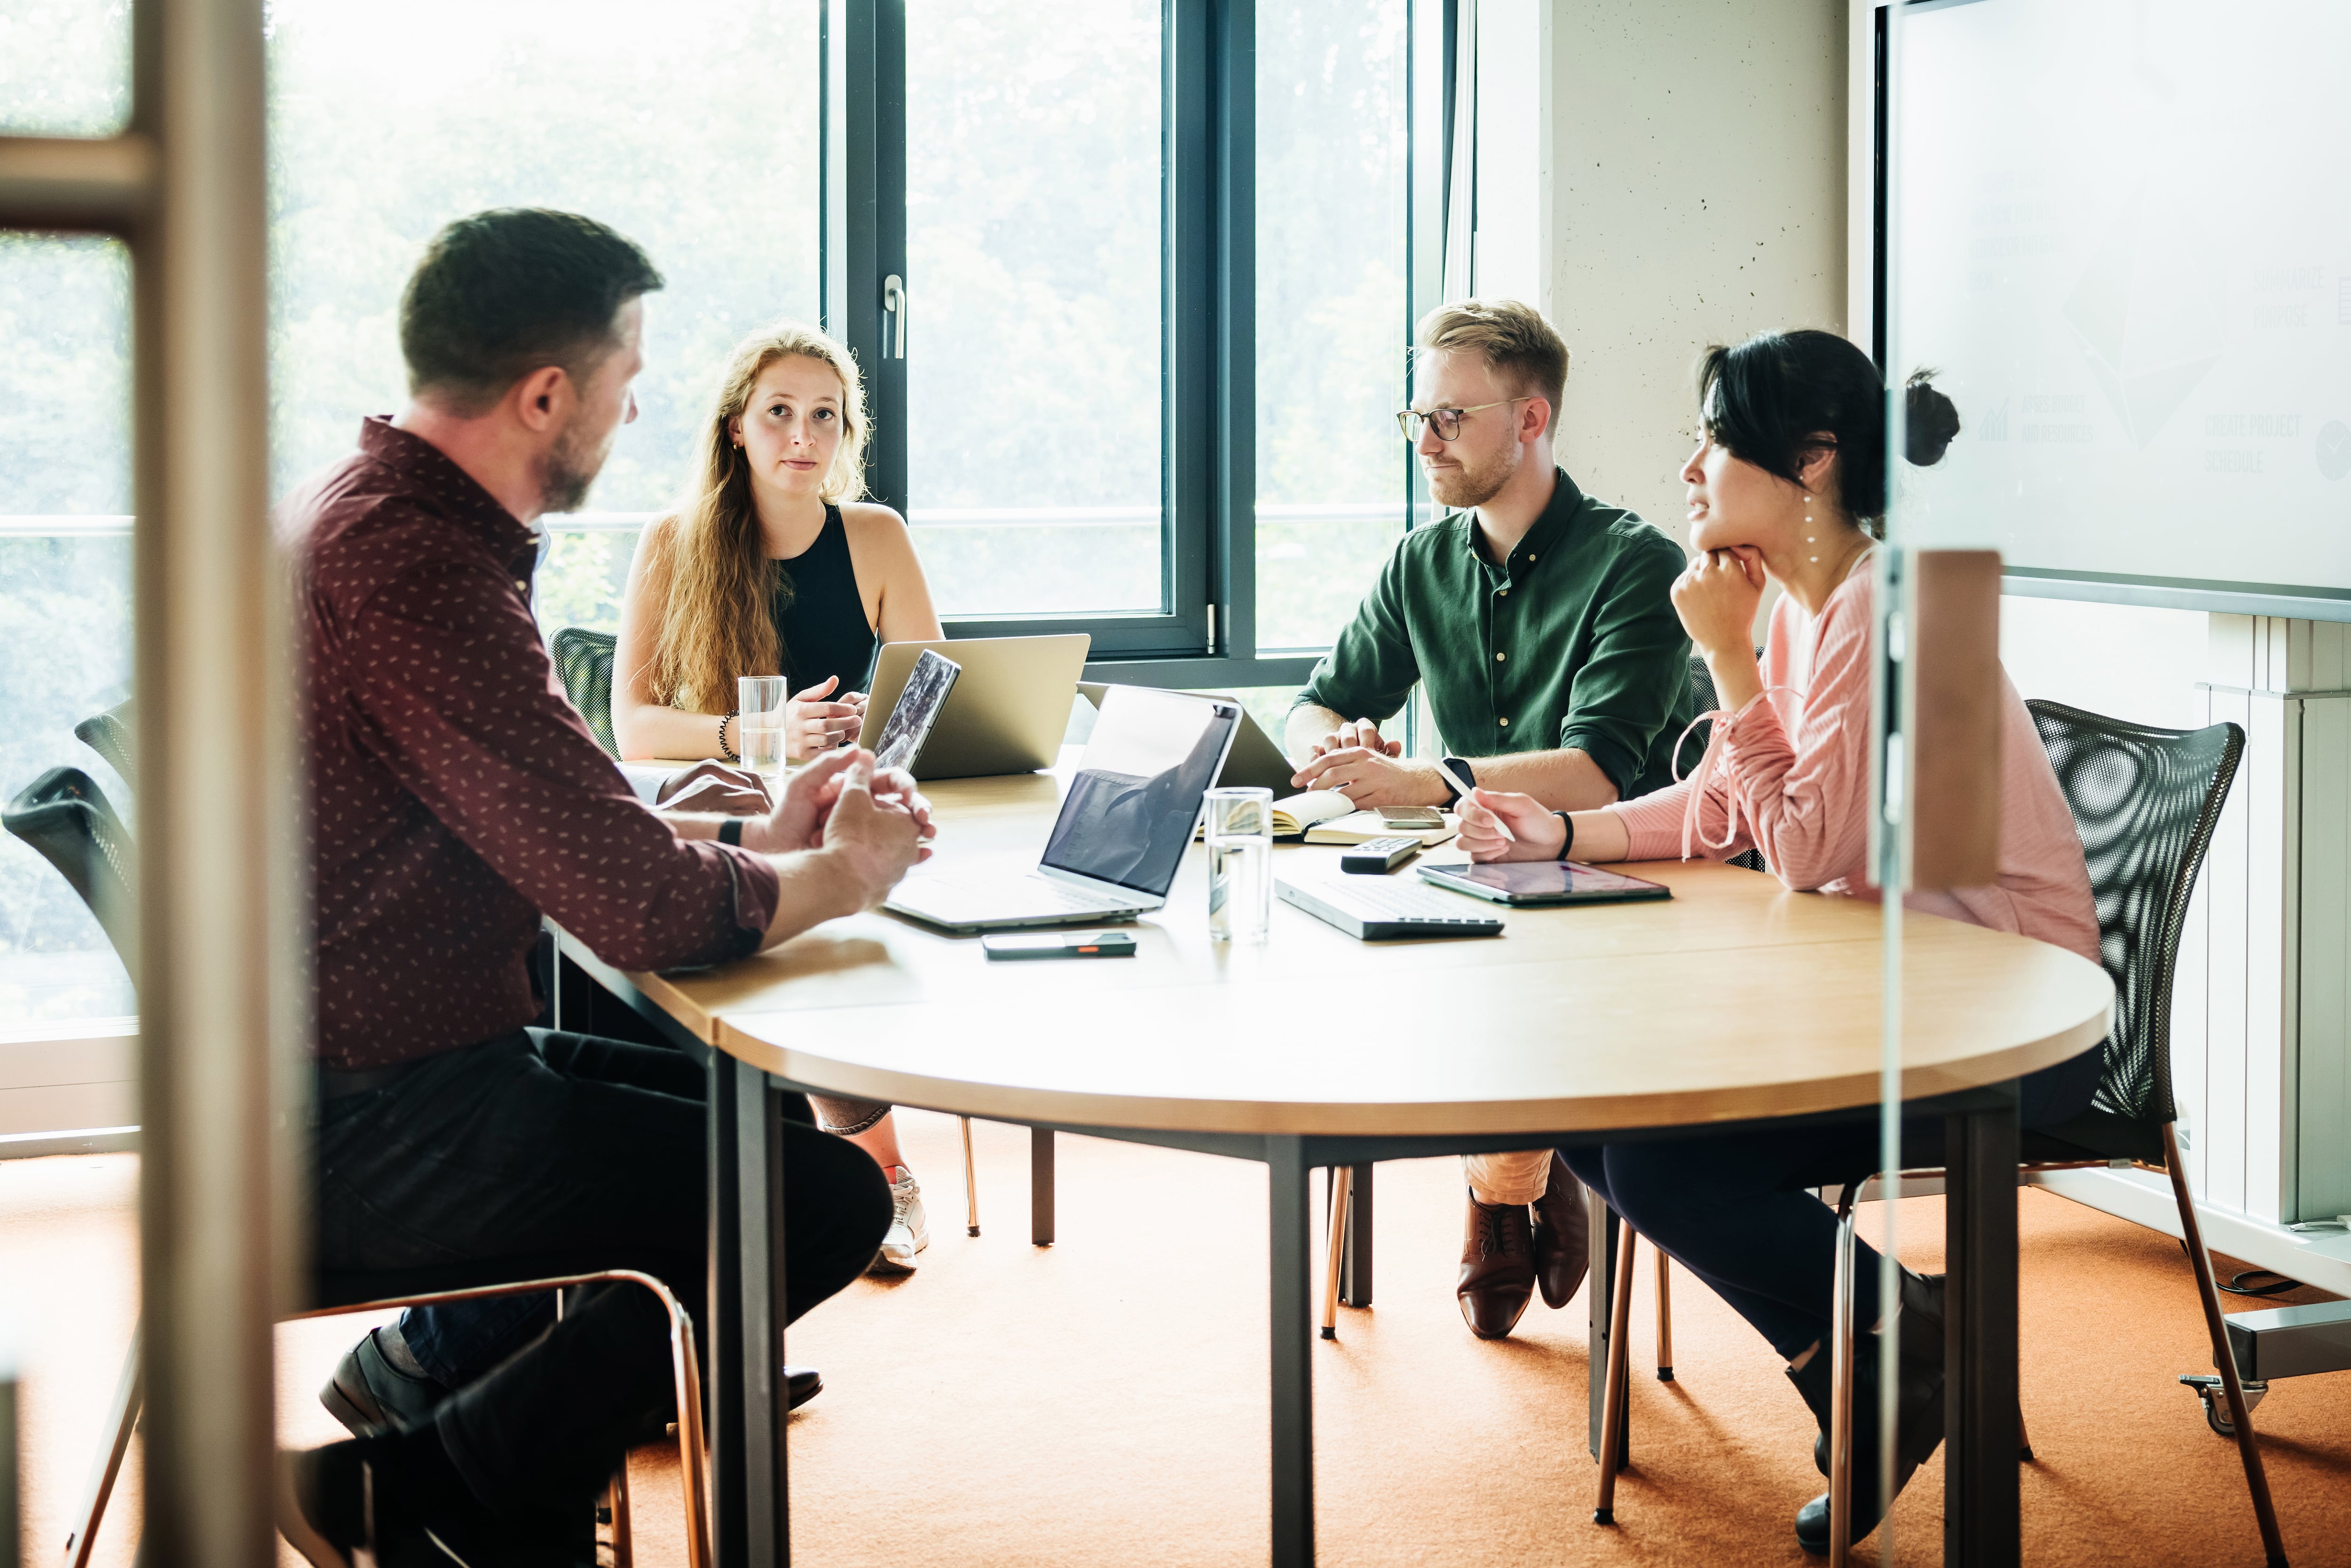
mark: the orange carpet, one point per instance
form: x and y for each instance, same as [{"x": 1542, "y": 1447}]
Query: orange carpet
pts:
[{"x": 1102, "y": 1401}]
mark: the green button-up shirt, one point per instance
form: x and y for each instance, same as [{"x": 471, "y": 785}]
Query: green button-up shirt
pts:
[{"x": 1571, "y": 642}]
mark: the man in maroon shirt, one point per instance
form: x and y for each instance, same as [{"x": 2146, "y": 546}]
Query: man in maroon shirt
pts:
[{"x": 457, "y": 797}]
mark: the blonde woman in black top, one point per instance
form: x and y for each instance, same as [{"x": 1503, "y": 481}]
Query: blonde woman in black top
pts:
[{"x": 776, "y": 568}]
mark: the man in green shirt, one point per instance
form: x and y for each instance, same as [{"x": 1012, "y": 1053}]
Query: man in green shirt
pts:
[{"x": 1538, "y": 619}]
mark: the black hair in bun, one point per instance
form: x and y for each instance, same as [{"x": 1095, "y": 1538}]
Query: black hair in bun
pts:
[
  {"x": 1771, "y": 399},
  {"x": 1929, "y": 420}
]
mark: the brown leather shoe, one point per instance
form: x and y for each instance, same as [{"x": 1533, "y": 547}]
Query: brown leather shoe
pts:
[
  {"x": 1562, "y": 1236},
  {"x": 1498, "y": 1267}
]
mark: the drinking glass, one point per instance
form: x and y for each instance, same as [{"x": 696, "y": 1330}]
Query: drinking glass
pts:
[
  {"x": 760, "y": 707},
  {"x": 1241, "y": 864}
]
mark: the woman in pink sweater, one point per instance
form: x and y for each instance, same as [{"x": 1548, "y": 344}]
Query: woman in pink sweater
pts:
[{"x": 1785, "y": 484}]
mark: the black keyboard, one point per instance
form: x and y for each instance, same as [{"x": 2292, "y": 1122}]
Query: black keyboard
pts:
[{"x": 1370, "y": 909}]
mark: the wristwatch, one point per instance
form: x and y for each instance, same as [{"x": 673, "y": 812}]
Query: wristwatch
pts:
[
  {"x": 1453, "y": 791},
  {"x": 730, "y": 831}
]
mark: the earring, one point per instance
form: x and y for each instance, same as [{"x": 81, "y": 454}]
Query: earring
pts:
[{"x": 1808, "y": 527}]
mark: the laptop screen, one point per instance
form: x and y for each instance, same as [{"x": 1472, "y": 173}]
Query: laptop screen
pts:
[{"x": 1131, "y": 809}]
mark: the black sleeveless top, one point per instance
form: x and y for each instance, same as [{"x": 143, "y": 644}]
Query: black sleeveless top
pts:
[{"x": 820, "y": 616}]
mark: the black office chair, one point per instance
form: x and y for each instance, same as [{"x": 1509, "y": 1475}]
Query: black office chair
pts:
[
  {"x": 584, "y": 659},
  {"x": 2144, "y": 801},
  {"x": 67, "y": 819},
  {"x": 110, "y": 734}
]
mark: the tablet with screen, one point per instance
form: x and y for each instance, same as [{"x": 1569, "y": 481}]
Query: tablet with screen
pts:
[
  {"x": 1543, "y": 882},
  {"x": 925, "y": 692}
]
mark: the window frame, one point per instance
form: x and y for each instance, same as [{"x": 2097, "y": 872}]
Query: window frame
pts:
[{"x": 1205, "y": 634}]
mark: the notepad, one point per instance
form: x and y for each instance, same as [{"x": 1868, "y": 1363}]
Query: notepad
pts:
[
  {"x": 1362, "y": 827},
  {"x": 1328, "y": 816},
  {"x": 1293, "y": 814}
]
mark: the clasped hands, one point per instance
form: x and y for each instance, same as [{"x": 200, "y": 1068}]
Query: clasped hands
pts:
[
  {"x": 873, "y": 820},
  {"x": 1370, "y": 770}
]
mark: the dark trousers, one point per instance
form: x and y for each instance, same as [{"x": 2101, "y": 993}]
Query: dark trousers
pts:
[
  {"x": 550, "y": 1146},
  {"x": 1727, "y": 1210}
]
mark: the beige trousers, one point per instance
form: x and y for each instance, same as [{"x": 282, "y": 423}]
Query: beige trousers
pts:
[{"x": 1518, "y": 1177}]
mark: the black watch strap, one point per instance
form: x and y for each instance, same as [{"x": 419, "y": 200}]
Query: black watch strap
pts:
[
  {"x": 730, "y": 831},
  {"x": 1453, "y": 791}
]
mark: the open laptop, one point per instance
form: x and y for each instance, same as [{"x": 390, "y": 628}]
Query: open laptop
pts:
[
  {"x": 1256, "y": 761},
  {"x": 1122, "y": 830},
  {"x": 1008, "y": 709}
]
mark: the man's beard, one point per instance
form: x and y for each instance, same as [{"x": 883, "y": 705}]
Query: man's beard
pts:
[
  {"x": 568, "y": 469},
  {"x": 1465, "y": 486}
]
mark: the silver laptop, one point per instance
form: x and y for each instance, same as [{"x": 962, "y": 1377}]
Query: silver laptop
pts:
[
  {"x": 1008, "y": 709},
  {"x": 1123, "y": 828},
  {"x": 1255, "y": 759}
]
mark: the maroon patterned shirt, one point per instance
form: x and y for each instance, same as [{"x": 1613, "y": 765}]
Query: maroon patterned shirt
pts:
[{"x": 457, "y": 794}]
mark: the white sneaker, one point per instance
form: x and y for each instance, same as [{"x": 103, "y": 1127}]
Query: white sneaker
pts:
[{"x": 910, "y": 1231}]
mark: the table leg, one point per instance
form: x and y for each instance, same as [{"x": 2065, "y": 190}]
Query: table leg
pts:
[
  {"x": 722, "y": 1379},
  {"x": 1356, "y": 1263},
  {"x": 1040, "y": 1186},
  {"x": 759, "y": 1192},
  {"x": 744, "y": 1387},
  {"x": 1290, "y": 1231},
  {"x": 571, "y": 998},
  {"x": 1981, "y": 1506},
  {"x": 1601, "y": 1226}
]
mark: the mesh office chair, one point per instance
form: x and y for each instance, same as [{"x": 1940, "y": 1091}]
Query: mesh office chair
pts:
[
  {"x": 67, "y": 819},
  {"x": 2144, "y": 801},
  {"x": 110, "y": 734},
  {"x": 583, "y": 659}
]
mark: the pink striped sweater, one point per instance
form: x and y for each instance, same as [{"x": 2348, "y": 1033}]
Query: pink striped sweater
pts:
[{"x": 1789, "y": 774}]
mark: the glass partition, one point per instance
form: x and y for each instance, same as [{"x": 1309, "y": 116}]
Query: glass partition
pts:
[
  {"x": 65, "y": 67},
  {"x": 65, "y": 610}
]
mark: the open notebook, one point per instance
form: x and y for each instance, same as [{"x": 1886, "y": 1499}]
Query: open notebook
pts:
[{"x": 1327, "y": 817}]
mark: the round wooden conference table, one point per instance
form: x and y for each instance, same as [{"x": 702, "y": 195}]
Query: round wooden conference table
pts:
[{"x": 1731, "y": 1002}]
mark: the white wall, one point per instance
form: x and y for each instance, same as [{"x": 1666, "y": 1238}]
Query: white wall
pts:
[
  {"x": 1697, "y": 196},
  {"x": 2121, "y": 659}
]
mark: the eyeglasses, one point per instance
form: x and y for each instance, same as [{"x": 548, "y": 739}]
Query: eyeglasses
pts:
[{"x": 1447, "y": 420}]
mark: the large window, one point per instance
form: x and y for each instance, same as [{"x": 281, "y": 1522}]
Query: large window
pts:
[
  {"x": 693, "y": 127},
  {"x": 1034, "y": 424},
  {"x": 65, "y": 593},
  {"x": 1155, "y": 270},
  {"x": 1332, "y": 165}
]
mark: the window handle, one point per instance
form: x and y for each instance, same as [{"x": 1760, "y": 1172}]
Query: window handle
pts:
[{"x": 894, "y": 306}]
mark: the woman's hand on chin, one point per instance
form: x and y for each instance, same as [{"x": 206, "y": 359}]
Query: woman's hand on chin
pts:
[
  {"x": 1717, "y": 596},
  {"x": 1497, "y": 825}
]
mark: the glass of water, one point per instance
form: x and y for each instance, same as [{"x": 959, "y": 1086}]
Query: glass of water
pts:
[
  {"x": 759, "y": 722},
  {"x": 1241, "y": 864}
]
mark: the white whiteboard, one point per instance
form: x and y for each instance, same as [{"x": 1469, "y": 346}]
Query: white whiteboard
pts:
[{"x": 2123, "y": 237}]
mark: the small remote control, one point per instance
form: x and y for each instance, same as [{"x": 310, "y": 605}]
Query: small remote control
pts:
[{"x": 1377, "y": 857}]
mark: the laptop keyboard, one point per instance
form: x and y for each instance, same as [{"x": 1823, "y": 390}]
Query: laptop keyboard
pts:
[
  {"x": 1013, "y": 897},
  {"x": 1357, "y": 905},
  {"x": 1400, "y": 900}
]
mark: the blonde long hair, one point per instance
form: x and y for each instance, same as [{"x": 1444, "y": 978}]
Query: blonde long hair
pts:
[{"x": 716, "y": 622}]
